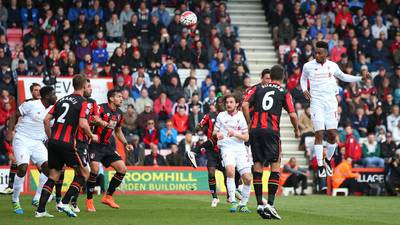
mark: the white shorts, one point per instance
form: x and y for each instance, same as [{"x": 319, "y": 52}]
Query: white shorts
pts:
[
  {"x": 238, "y": 156},
  {"x": 26, "y": 149},
  {"x": 324, "y": 114}
]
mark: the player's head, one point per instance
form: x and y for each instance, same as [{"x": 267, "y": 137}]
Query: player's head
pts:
[
  {"x": 48, "y": 94},
  {"x": 277, "y": 73},
  {"x": 231, "y": 103},
  {"x": 114, "y": 96},
  {"x": 87, "y": 92},
  {"x": 79, "y": 82},
  {"x": 265, "y": 76},
  {"x": 220, "y": 104},
  {"x": 35, "y": 91},
  {"x": 321, "y": 51}
]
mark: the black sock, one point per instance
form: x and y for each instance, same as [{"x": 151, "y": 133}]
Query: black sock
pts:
[
  {"x": 115, "y": 182},
  {"x": 90, "y": 184},
  {"x": 74, "y": 188},
  {"x": 273, "y": 184},
  {"x": 11, "y": 175},
  {"x": 226, "y": 186},
  {"x": 213, "y": 186},
  {"x": 59, "y": 185},
  {"x": 257, "y": 183},
  {"x": 237, "y": 179},
  {"x": 44, "y": 196}
]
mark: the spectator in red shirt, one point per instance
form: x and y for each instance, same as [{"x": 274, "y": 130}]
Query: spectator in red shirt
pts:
[
  {"x": 294, "y": 78},
  {"x": 150, "y": 135},
  {"x": 345, "y": 14},
  {"x": 181, "y": 120},
  {"x": 353, "y": 149},
  {"x": 163, "y": 106},
  {"x": 337, "y": 51}
]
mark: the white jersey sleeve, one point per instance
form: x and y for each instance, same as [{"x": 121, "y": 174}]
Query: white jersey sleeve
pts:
[
  {"x": 25, "y": 108},
  {"x": 304, "y": 78},
  {"x": 338, "y": 73},
  {"x": 243, "y": 123},
  {"x": 217, "y": 126}
]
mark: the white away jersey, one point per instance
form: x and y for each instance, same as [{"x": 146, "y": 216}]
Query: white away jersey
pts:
[
  {"x": 226, "y": 122},
  {"x": 31, "y": 124},
  {"x": 322, "y": 80}
]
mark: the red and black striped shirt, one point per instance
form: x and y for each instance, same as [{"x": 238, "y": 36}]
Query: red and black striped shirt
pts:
[
  {"x": 66, "y": 113},
  {"x": 93, "y": 111},
  {"x": 267, "y": 102},
  {"x": 114, "y": 120},
  {"x": 208, "y": 121}
]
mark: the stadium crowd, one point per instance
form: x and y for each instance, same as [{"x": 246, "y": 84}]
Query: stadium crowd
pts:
[
  {"x": 363, "y": 38},
  {"x": 64, "y": 38}
]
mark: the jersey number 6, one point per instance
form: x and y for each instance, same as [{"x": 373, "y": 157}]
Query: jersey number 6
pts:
[{"x": 268, "y": 101}]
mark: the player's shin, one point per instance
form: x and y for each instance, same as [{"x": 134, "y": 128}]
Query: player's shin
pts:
[
  {"x": 115, "y": 182},
  {"x": 246, "y": 194},
  {"x": 59, "y": 185},
  {"x": 46, "y": 192},
  {"x": 73, "y": 189},
  {"x": 42, "y": 180},
  {"x": 230, "y": 182},
  {"x": 257, "y": 184},
  {"x": 11, "y": 175},
  {"x": 319, "y": 149},
  {"x": 273, "y": 184},
  {"x": 90, "y": 184},
  {"x": 212, "y": 185},
  {"x": 18, "y": 184},
  {"x": 330, "y": 150}
]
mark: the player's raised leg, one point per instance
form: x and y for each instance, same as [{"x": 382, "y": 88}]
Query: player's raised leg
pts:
[
  {"x": 120, "y": 169},
  {"x": 331, "y": 146}
]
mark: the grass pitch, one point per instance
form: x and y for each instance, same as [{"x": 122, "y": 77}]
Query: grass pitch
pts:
[{"x": 195, "y": 209}]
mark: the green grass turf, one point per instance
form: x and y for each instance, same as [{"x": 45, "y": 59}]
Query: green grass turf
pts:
[{"x": 193, "y": 209}]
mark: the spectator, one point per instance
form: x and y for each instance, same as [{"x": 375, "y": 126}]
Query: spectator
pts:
[
  {"x": 162, "y": 14},
  {"x": 377, "y": 119},
  {"x": 99, "y": 54},
  {"x": 141, "y": 72},
  {"x": 338, "y": 51},
  {"x": 220, "y": 76},
  {"x": 388, "y": 147},
  {"x": 129, "y": 123},
  {"x": 393, "y": 119},
  {"x": 183, "y": 55},
  {"x": 343, "y": 177},
  {"x": 150, "y": 135},
  {"x": 132, "y": 28},
  {"x": 360, "y": 122},
  {"x": 186, "y": 145},
  {"x": 29, "y": 15},
  {"x": 371, "y": 155},
  {"x": 378, "y": 27},
  {"x": 195, "y": 101},
  {"x": 180, "y": 120},
  {"x": 163, "y": 106},
  {"x": 380, "y": 55},
  {"x": 154, "y": 55},
  {"x": 394, "y": 175},
  {"x": 145, "y": 116},
  {"x": 135, "y": 157},
  {"x": 13, "y": 14},
  {"x": 126, "y": 14},
  {"x": 156, "y": 88},
  {"x": 95, "y": 10},
  {"x": 174, "y": 158},
  {"x": 7, "y": 84},
  {"x": 353, "y": 148},
  {"x": 174, "y": 90},
  {"x": 195, "y": 117},
  {"x": 192, "y": 88},
  {"x": 286, "y": 32},
  {"x": 114, "y": 29},
  {"x": 180, "y": 103},
  {"x": 275, "y": 19},
  {"x": 74, "y": 12},
  {"x": 154, "y": 158},
  {"x": 168, "y": 135},
  {"x": 297, "y": 176},
  {"x": 396, "y": 133}
]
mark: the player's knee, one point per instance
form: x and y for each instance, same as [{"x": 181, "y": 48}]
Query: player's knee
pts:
[
  {"x": 122, "y": 169},
  {"x": 331, "y": 136},
  {"x": 246, "y": 179},
  {"x": 211, "y": 172},
  {"x": 45, "y": 169},
  {"x": 21, "y": 171},
  {"x": 258, "y": 167}
]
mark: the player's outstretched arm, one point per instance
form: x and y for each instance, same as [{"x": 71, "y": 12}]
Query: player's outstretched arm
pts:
[{"x": 46, "y": 122}]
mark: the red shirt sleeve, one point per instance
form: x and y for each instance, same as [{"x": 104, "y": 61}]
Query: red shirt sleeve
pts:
[
  {"x": 289, "y": 107},
  {"x": 52, "y": 109},
  {"x": 250, "y": 95},
  {"x": 205, "y": 120},
  {"x": 120, "y": 121},
  {"x": 95, "y": 109},
  {"x": 84, "y": 113}
]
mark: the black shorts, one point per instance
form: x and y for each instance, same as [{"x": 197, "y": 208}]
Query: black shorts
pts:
[
  {"x": 213, "y": 157},
  {"x": 105, "y": 154},
  {"x": 265, "y": 146},
  {"x": 82, "y": 149},
  {"x": 61, "y": 154}
]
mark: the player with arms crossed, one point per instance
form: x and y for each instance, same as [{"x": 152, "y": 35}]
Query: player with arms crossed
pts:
[
  {"x": 104, "y": 152},
  {"x": 35, "y": 92},
  {"x": 69, "y": 113},
  {"x": 267, "y": 102},
  {"x": 28, "y": 142},
  {"x": 231, "y": 131},
  {"x": 321, "y": 74}
]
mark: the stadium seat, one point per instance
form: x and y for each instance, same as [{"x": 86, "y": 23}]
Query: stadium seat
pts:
[
  {"x": 286, "y": 191},
  {"x": 345, "y": 191},
  {"x": 14, "y": 36}
]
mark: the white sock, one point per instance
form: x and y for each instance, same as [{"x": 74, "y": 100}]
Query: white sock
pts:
[
  {"x": 330, "y": 148},
  {"x": 240, "y": 188},
  {"x": 319, "y": 150},
  {"x": 42, "y": 181},
  {"x": 230, "y": 183},
  {"x": 245, "y": 194},
  {"x": 18, "y": 184}
]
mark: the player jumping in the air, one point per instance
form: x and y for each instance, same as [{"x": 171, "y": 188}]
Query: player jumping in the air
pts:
[
  {"x": 267, "y": 101},
  {"x": 231, "y": 131},
  {"x": 28, "y": 142},
  {"x": 35, "y": 92},
  {"x": 321, "y": 74},
  {"x": 69, "y": 113},
  {"x": 104, "y": 152}
]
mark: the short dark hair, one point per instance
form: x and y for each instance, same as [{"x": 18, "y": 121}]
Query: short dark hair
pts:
[
  {"x": 33, "y": 85},
  {"x": 111, "y": 93},
  {"x": 79, "y": 81},
  {"x": 264, "y": 72},
  {"x": 322, "y": 44},
  {"x": 231, "y": 96},
  {"x": 45, "y": 91},
  {"x": 277, "y": 72}
]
